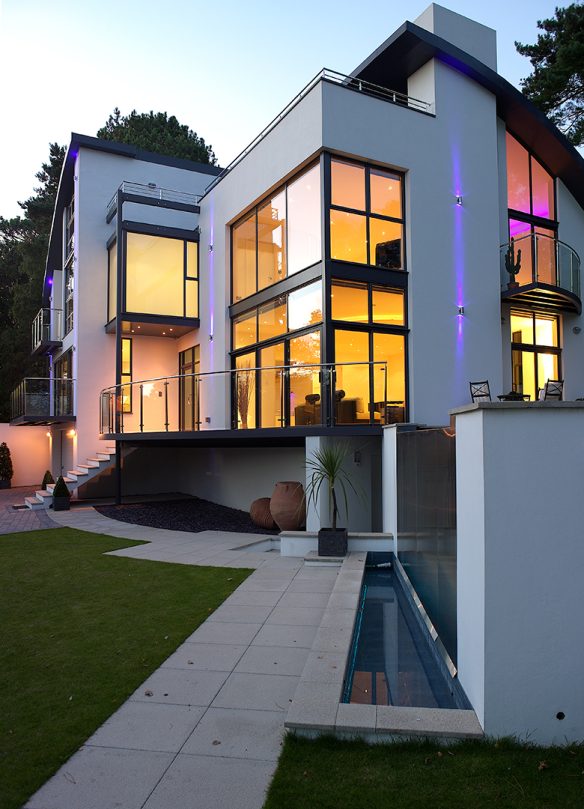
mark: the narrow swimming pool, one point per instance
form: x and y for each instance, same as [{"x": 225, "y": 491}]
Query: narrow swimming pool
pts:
[{"x": 392, "y": 660}]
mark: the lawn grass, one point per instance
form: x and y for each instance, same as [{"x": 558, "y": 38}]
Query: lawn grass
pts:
[
  {"x": 79, "y": 632},
  {"x": 332, "y": 774}
]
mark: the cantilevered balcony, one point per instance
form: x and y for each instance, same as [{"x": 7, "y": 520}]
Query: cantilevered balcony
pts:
[
  {"x": 47, "y": 331},
  {"x": 255, "y": 402},
  {"x": 42, "y": 401},
  {"x": 540, "y": 271}
]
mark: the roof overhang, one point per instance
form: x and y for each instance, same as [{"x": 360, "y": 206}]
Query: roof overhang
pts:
[{"x": 411, "y": 46}]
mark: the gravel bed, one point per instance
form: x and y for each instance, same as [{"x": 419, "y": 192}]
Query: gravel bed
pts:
[{"x": 191, "y": 514}]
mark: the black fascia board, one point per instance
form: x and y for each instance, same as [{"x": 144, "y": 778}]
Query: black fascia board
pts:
[
  {"x": 411, "y": 46},
  {"x": 148, "y": 229},
  {"x": 66, "y": 180}
]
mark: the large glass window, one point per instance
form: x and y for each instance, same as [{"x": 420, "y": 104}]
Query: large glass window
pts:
[
  {"x": 356, "y": 302},
  {"x": 161, "y": 276},
  {"x": 366, "y": 216},
  {"x": 281, "y": 236},
  {"x": 532, "y": 225},
  {"x": 535, "y": 351},
  {"x": 126, "y": 379},
  {"x": 245, "y": 391},
  {"x": 112, "y": 283},
  {"x": 189, "y": 366}
]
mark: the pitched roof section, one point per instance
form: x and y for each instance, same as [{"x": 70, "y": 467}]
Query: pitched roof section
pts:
[{"x": 411, "y": 46}]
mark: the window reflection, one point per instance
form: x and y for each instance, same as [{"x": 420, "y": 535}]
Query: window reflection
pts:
[
  {"x": 517, "y": 175},
  {"x": 386, "y": 193},
  {"x": 350, "y": 302},
  {"x": 272, "y": 241},
  {"x": 305, "y": 306},
  {"x": 245, "y": 330},
  {"x": 304, "y": 241},
  {"x": 272, "y": 319},
  {"x": 348, "y": 237},
  {"x": 347, "y": 185},
  {"x": 388, "y": 307},
  {"x": 385, "y": 240},
  {"x": 244, "y": 258},
  {"x": 535, "y": 351},
  {"x": 156, "y": 276},
  {"x": 305, "y": 404},
  {"x": 245, "y": 391},
  {"x": 272, "y": 386}
]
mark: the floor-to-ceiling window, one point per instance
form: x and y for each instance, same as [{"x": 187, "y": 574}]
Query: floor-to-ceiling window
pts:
[
  {"x": 279, "y": 237},
  {"x": 532, "y": 215},
  {"x": 535, "y": 349}
]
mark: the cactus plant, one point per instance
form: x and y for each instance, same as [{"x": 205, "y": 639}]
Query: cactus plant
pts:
[{"x": 511, "y": 265}]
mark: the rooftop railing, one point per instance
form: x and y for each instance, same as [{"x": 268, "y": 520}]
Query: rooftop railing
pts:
[
  {"x": 150, "y": 191},
  {"x": 329, "y": 394},
  {"x": 47, "y": 329},
  {"x": 538, "y": 258},
  {"x": 42, "y": 399},
  {"x": 334, "y": 77}
]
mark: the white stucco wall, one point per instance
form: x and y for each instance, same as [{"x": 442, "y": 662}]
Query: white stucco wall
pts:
[
  {"x": 520, "y": 560},
  {"x": 30, "y": 452},
  {"x": 468, "y": 35}
]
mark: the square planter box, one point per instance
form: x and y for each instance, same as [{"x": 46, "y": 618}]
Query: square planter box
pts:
[
  {"x": 61, "y": 503},
  {"x": 4, "y": 484},
  {"x": 332, "y": 542}
]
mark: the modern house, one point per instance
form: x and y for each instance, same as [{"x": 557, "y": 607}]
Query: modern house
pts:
[{"x": 347, "y": 271}]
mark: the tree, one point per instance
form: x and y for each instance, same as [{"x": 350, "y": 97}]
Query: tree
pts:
[
  {"x": 556, "y": 85},
  {"x": 157, "y": 132}
]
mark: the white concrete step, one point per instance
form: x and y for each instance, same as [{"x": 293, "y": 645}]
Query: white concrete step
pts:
[
  {"x": 88, "y": 465},
  {"x": 51, "y": 486},
  {"x": 42, "y": 495},
  {"x": 33, "y": 504}
]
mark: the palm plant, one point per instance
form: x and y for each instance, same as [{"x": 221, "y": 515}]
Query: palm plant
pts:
[{"x": 325, "y": 467}]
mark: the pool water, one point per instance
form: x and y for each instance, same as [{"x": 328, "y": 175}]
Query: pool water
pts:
[{"x": 391, "y": 662}]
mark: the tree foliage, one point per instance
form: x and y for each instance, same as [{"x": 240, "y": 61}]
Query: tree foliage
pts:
[
  {"x": 157, "y": 132},
  {"x": 556, "y": 85}
]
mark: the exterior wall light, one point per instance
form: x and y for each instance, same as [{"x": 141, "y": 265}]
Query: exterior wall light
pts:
[
  {"x": 576, "y": 329},
  {"x": 210, "y": 248},
  {"x": 461, "y": 311},
  {"x": 459, "y": 199},
  {"x": 72, "y": 433}
]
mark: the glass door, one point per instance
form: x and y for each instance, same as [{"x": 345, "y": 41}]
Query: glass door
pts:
[{"x": 189, "y": 399}]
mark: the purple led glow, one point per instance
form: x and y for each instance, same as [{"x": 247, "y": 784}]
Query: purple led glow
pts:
[
  {"x": 50, "y": 282},
  {"x": 458, "y": 249}
]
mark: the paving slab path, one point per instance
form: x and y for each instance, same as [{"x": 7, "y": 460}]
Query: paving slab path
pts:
[
  {"x": 14, "y": 521},
  {"x": 205, "y": 730}
]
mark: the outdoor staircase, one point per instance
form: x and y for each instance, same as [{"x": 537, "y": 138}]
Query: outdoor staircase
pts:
[{"x": 83, "y": 472}]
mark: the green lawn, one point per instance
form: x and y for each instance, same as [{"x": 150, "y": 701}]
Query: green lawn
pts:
[
  {"x": 79, "y": 632},
  {"x": 332, "y": 774}
]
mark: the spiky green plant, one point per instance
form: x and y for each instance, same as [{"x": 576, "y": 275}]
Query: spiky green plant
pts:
[
  {"x": 325, "y": 467},
  {"x": 61, "y": 489}
]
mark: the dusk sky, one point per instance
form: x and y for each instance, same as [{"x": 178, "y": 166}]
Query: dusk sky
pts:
[{"x": 225, "y": 68}]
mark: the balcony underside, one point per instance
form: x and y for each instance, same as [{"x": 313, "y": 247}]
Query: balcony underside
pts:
[
  {"x": 154, "y": 325},
  {"x": 268, "y": 436},
  {"x": 544, "y": 297},
  {"x": 46, "y": 347},
  {"x": 40, "y": 421}
]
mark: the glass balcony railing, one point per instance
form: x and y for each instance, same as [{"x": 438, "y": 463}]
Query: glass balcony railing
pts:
[
  {"x": 348, "y": 393},
  {"x": 47, "y": 330},
  {"x": 540, "y": 259},
  {"x": 40, "y": 400}
]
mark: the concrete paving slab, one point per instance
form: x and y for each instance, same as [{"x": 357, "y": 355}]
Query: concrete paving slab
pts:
[
  {"x": 260, "y": 692},
  {"x": 332, "y": 639},
  {"x": 276, "y": 635},
  {"x": 288, "y": 660},
  {"x": 148, "y": 726},
  {"x": 289, "y": 600},
  {"x": 295, "y": 616},
  {"x": 181, "y": 687},
  {"x": 222, "y": 632},
  {"x": 249, "y": 598},
  {"x": 240, "y": 614},
  {"x": 338, "y": 618},
  {"x": 205, "y": 657},
  {"x": 314, "y": 707},
  {"x": 203, "y": 782},
  {"x": 103, "y": 778},
  {"x": 324, "y": 667},
  {"x": 233, "y": 733},
  {"x": 307, "y": 586}
]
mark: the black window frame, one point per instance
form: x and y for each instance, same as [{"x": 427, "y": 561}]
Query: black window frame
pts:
[{"x": 536, "y": 348}]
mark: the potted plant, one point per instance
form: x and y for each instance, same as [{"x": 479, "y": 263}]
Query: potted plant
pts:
[
  {"x": 511, "y": 265},
  {"x": 47, "y": 480},
  {"x": 326, "y": 469},
  {"x": 6, "y": 470},
  {"x": 61, "y": 496}
]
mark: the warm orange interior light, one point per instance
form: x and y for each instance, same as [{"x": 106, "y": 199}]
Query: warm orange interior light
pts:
[
  {"x": 48, "y": 434},
  {"x": 71, "y": 433}
]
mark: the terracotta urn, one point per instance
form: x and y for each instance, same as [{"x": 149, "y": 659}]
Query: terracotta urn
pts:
[
  {"x": 260, "y": 514},
  {"x": 288, "y": 506}
]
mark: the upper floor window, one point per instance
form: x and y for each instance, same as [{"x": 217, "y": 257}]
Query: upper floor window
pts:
[
  {"x": 366, "y": 215},
  {"x": 530, "y": 188},
  {"x": 280, "y": 237},
  {"x": 160, "y": 278},
  {"x": 69, "y": 229}
]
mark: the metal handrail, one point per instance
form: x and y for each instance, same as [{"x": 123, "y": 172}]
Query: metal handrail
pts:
[
  {"x": 343, "y": 80},
  {"x": 55, "y": 397},
  {"x": 112, "y": 415},
  {"x": 47, "y": 326},
  {"x": 571, "y": 284},
  {"x": 152, "y": 191}
]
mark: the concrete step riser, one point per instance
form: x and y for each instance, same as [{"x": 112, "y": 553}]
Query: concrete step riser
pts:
[{"x": 74, "y": 478}]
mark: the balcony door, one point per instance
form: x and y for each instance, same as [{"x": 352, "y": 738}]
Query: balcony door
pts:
[{"x": 189, "y": 366}]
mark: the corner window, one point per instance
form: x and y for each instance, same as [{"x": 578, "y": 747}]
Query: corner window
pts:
[
  {"x": 530, "y": 188},
  {"x": 161, "y": 276},
  {"x": 366, "y": 215},
  {"x": 280, "y": 237}
]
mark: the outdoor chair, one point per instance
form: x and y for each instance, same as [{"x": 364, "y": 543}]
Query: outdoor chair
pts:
[
  {"x": 553, "y": 389},
  {"x": 480, "y": 391}
]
